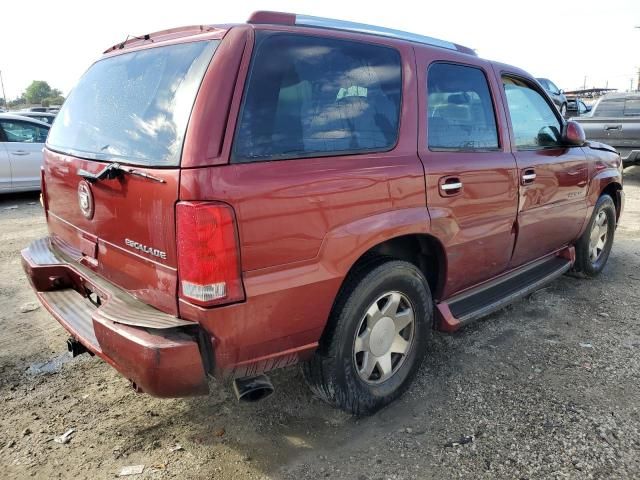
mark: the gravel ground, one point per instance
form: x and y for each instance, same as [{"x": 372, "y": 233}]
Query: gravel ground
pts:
[{"x": 547, "y": 388}]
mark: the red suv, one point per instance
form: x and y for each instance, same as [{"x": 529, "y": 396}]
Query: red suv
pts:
[{"x": 226, "y": 200}]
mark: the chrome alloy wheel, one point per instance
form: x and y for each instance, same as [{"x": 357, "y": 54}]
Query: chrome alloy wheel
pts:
[
  {"x": 384, "y": 337},
  {"x": 598, "y": 238}
]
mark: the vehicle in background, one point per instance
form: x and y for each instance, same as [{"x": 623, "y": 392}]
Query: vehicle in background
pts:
[
  {"x": 274, "y": 192},
  {"x": 556, "y": 95},
  {"x": 615, "y": 120},
  {"x": 46, "y": 117},
  {"x": 21, "y": 143},
  {"x": 54, "y": 109},
  {"x": 576, "y": 108}
]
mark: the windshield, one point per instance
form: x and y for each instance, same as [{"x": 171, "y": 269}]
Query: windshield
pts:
[{"x": 133, "y": 108}]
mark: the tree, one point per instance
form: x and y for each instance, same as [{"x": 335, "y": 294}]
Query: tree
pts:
[{"x": 38, "y": 91}]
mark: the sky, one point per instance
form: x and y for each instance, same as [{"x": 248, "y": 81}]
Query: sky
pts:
[{"x": 564, "y": 41}]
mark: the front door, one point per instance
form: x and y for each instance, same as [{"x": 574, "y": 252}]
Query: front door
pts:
[
  {"x": 552, "y": 176},
  {"x": 472, "y": 190}
]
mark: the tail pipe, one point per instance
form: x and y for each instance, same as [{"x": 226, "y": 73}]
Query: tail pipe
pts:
[
  {"x": 76, "y": 348},
  {"x": 252, "y": 389}
]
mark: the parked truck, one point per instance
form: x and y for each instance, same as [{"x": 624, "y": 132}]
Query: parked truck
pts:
[{"x": 615, "y": 120}]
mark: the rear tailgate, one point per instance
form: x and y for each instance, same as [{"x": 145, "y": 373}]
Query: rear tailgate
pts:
[
  {"x": 130, "y": 238},
  {"x": 129, "y": 113}
]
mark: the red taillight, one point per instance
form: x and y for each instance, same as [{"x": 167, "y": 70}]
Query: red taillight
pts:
[{"x": 208, "y": 257}]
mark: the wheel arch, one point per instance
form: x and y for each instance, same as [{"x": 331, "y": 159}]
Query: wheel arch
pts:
[
  {"x": 423, "y": 250},
  {"x": 612, "y": 189}
]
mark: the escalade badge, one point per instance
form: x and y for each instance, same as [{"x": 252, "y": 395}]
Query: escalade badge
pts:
[{"x": 85, "y": 199}]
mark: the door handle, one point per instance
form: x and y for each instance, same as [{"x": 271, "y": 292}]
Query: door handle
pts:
[
  {"x": 613, "y": 127},
  {"x": 528, "y": 176},
  {"x": 450, "y": 186},
  {"x": 20, "y": 153}
]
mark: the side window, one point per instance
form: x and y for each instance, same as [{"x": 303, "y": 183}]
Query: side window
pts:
[
  {"x": 459, "y": 109},
  {"x": 534, "y": 122},
  {"x": 632, "y": 107},
  {"x": 552, "y": 87},
  {"x": 609, "y": 107},
  {"x": 313, "y": 96},
  {"x": 16, "y": 131}
]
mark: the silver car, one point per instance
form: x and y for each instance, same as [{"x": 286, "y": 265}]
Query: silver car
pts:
[{"x": 21, "y": 142}]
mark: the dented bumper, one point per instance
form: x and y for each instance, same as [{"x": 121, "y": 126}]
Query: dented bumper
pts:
[{"x": 160, "y": 354}]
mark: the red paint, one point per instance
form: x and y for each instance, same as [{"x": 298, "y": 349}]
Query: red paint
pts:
[{"x": 302, "y": 224}]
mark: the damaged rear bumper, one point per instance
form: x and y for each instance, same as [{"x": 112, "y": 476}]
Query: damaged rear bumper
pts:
[{"x": 159, "y": 353}]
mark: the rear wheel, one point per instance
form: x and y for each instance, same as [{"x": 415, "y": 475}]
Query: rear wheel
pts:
[
  {"x": 376, "y": 338},
  {"x": 594, "y": 246}
]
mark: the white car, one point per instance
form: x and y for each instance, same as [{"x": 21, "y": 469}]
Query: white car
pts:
[{"x": 21, "y": 142}]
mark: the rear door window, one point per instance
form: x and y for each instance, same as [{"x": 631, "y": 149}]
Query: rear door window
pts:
[
  {"x": 313, "y": 96},
  {"x": 459, "y": 108},
  {"x": 134, "y": 107}
]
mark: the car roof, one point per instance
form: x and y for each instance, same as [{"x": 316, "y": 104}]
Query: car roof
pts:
[
  {"x": 260, "y": 18},
  {"x": 11, "y": 116},
  {"x": 35, "y": 114}
]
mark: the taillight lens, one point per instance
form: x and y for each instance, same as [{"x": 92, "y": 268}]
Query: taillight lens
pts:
[{"x": 208, "y": 255}]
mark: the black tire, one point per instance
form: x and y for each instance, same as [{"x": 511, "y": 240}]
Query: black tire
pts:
[
  {"x": 585, "y": 262},
  {"x": 332, "y": 373}
]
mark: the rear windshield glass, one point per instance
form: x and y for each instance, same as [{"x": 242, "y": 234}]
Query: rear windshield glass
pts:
[{"x": 133, "y": 108}]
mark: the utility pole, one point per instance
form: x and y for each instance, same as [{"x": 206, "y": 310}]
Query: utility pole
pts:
[
  {"x": 4, "y": 95},
  {"x": 584, "y": 85},
  {"x": 638, "y": 89}
]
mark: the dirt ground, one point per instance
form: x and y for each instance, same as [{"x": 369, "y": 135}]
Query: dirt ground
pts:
[{"x": 547, "y": 388}]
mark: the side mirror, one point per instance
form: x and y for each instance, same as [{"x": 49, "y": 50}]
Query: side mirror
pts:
[
  {"x": 561, "y": 91},
  {"x": 573, "y": 134}
]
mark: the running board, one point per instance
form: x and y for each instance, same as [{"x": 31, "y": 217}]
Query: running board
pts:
[{"x": 496, "y": 294}]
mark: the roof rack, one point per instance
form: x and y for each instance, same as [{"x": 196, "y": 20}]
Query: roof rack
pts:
[{"x": 280, "y": 18}]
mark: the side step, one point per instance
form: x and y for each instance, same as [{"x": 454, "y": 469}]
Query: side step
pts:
[{"x": 496, "y": 294}]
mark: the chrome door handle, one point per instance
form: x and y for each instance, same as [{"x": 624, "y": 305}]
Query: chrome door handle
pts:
[
  {"x": 451, "y": 186},
  {"x": 20, "y": 153},
  {"x": 528, "y": 176}
]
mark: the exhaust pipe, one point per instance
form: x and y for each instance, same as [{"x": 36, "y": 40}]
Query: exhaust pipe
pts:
[
  {"x": 75, "y": 347},
  {"x": 252, "y": 389}
]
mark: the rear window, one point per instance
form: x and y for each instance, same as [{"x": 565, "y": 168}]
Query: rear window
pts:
[
  {"x": 133, "y": 108},
  {"x": 313, "y": 96}
]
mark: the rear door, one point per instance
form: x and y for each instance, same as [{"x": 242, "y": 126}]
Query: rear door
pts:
[
  {"x": 472, "y": 191},
  {"x": 5, "y": 167},
  {"x": 132, "y": 110},
  {"x": 630, "y": 134},
  {"x": 24, "y": 144},
  {"x": 552, "y": 177},
  {"x": 605, "y": 125}
]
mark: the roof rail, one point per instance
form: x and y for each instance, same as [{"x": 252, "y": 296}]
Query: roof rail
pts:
[{"x": 281, "y": 18}]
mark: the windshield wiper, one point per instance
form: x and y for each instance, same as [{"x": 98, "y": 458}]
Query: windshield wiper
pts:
[{"x": 115, "y": 170}]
